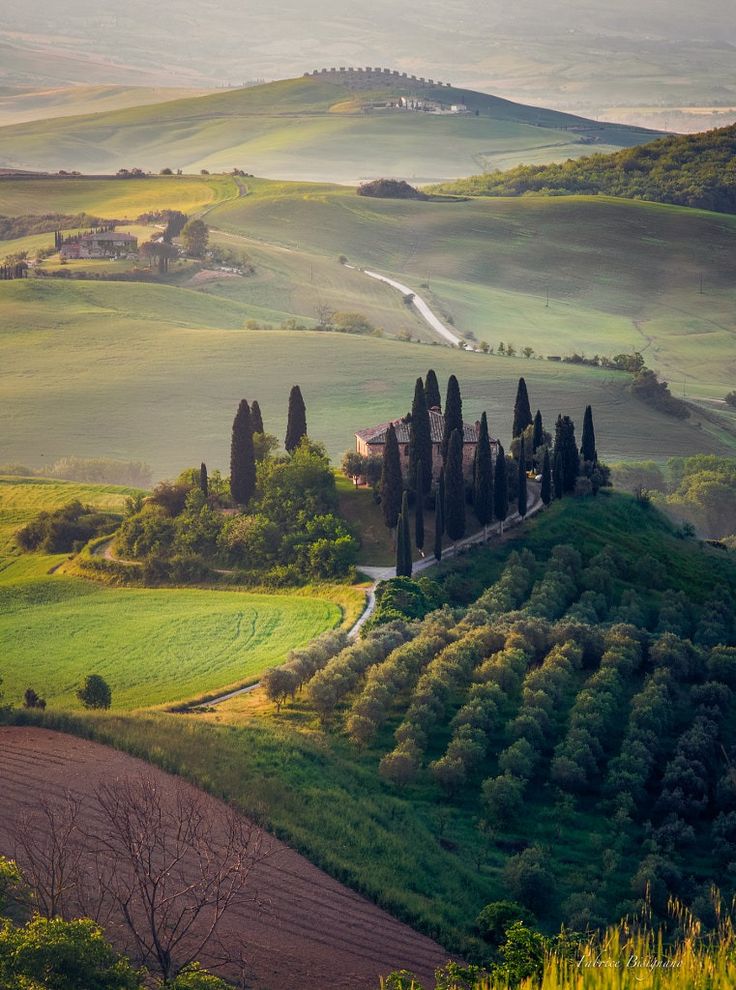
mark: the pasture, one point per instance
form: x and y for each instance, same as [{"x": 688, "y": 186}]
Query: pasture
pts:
[
  {"x": 309, "y": 129},
  {"x": 164, "y": 369}
]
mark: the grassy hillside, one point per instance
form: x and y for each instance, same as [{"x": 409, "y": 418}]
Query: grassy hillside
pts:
[
  {"x": 56, "y": 629},
  {"x": 309, "y": 129},
  {"x": 695, "y": 170},
  {"x": 20, "y": 105},
  {"x": 108, "y": 369},
  {"x": 436, "y": 858}
]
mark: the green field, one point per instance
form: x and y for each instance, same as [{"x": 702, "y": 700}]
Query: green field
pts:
[
  {"x": 20, "y": 105},
  {"x": 164, "y": 382},
  {"x": 309, "y": 129},
  {"x": 151, "y": 646}
]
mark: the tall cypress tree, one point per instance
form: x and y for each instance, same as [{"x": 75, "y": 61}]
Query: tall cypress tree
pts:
[
  {"x": 546, "y": 492},
  {"x": 391, "y": 480},
  {"x": 420, "y": 442},
  {"x": 257, "y": 419},
  {"x": 455, "y": 489},
  {"x": 439, "y": 516},
  {"x": 419, "y": 515},
  {"x": 483, "y": 476},
  {"x": 538, "y": 433},
  {"x": 500, "y": 489},
  {"x": 587, "y": 447},
  {"x": 522, "y": 410},
  {"x": 204, "y": 482},
  {"x": 453, "y": 417},
  {"x": 566, "y": 462},
  {"x": 296, "y": 426},
  {"x": 432, "y": 391},
  {"x": 521, "y": 500},
  {"x": 403, "y": 540},
  {"x": 242, "y": 457}
]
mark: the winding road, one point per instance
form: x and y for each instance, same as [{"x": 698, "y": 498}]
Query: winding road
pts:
[{"x": 421, "y": 307}]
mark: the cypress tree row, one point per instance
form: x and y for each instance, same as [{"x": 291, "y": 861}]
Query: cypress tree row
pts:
[
  {"x": 483, "y": 476},
  {"x": 420, "y": 442},
  {"x": 391, "y": 480},
  {"x": 242, "y": 457},
  {"x": 558, "y": 484},
  {"x": 455, "y": 489},
  {"x": 538, "y": 433},
  {"x": 419, "y": 515},
  {"x": 567, "y": 459},
  {"x": 521, "y": 499},
  {"x": 439, "y": 516},
  {"x": 432, "y": 391},
  {"x": 500, "y": 489},
  {"x": 453, "y": 416},
  {"x": 204, "y": 482},
  {"x": 587, "y": 447},
  {"x": 403, "y": 540},
  {"x": 257, "y": 419},
  {"x": 522, "y": 410},
  {"x": 546, "y": 492},
  {"x": 296, "y": 426}
]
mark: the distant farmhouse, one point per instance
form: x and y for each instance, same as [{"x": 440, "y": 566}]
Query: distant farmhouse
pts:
[
  {"x": 108, "y": 244},
  {"x": 414, "y": 88},
  {"x": 371, "y": 442}
]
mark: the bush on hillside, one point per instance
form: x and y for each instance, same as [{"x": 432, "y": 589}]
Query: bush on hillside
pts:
[
  {"x": 65, "y": 529},
  {"x": 390, "y": 189}
]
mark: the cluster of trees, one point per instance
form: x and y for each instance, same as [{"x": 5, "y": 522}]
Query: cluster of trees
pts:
[
  {"x": 390, "y": 189},
  {"x": 512, "y": 588},
  {"x": 66, "y": 529},
  {"x": 447, "y": 671},
  {"x": 558, "y": 588},
  {"x": 286, "y": 529},
  {"x": 686, "y": 170},
  {"x": 648, "y": 387},
  {"x": 285, "y": 681},
  {"x": 397, "y": 675},
  {"x": 13, "y": 228},
  {"x": 341, "y": 675},
  {"x": 595, "y": 716}
]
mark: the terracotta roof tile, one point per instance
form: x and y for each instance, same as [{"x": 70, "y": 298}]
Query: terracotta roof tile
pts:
[{"x": 377, "y": 434}]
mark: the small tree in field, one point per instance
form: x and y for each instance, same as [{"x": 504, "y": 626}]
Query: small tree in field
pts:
[
  {"x": 95, "y": 692},
  {"x": 196, "y": 237}
]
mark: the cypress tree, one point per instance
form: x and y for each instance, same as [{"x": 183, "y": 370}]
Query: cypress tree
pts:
[
  {"x": 420, "y": 442},
  {"x": 567, "y": 460},
  {"x": 587, "y": 448},
  {"x": 483, "y": 476},
  {"x": 538, "y": 432},
  {"x": 439, "y": 516},
  {"x": 432, "y": 391},
  {"x": 455, "y": 489},
  {"x": 204, "y": 482},
  {"x": 522, "y": 410},
  {"x": 403, "y": 540},
  {"x": 521, "y": 500},
  {"x": 546, "y": 492},
  {"x": 391, "y": 481},
  {"x": 453, "y": 418},
  {"x": 242, "y": 457},
  {"x": 500, "y": 489},
  {"x": 557, "y": 474},
  {"x": 419, "y": 515},
  {"x": 296, "y": 426},
  {"x": 256, "y": 418}
]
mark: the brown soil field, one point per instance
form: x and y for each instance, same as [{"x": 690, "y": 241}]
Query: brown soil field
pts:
[{"x": 306, "y": 931}]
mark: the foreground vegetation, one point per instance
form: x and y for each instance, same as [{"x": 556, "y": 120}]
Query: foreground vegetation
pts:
[
  {"x": 685, "y": 170},
  {"x": 435, "y": 849}
]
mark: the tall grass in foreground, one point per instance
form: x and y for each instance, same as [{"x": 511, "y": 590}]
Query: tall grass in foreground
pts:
[{"x": 627, "y": 956}]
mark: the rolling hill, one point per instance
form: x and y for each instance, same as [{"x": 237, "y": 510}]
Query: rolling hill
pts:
[
  {"x": 312, "y": 128},
  {"x": 23, "y": 104}
]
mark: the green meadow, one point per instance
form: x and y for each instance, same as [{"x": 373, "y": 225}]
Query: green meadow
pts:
[
  {"x": 152, "y": 646},
  {"x": 309, "y": 129}
]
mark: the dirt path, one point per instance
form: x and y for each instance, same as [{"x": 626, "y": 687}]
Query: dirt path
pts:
[{"x": 308, "y": 930}]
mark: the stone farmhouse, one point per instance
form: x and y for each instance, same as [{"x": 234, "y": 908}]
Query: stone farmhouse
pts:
[
  {"x": 108, "y": 244},
  {"x": 370, "y": 442}
]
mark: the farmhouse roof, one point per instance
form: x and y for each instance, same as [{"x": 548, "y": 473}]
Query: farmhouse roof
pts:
[
  {"x": 377, "y": 434},
  {"x": 109, "y": 235}
]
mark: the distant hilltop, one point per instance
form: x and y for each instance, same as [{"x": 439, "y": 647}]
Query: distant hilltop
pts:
[{"x": 369, "y": 77}]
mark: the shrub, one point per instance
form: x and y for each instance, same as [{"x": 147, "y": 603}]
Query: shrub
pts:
[{"x": 95, "y": 692}]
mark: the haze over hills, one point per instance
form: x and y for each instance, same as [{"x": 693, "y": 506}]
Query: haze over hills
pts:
[
  {"x": 18, "y": 105},
  {"x": 338, "y": 127},
  {"x": 591, "y": 57}
]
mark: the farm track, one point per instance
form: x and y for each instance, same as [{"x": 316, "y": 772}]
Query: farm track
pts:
[{"x": 301, "y": 929}]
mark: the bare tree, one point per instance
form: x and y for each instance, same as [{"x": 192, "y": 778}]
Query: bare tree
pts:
[{"x": 172, "y": 864}]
